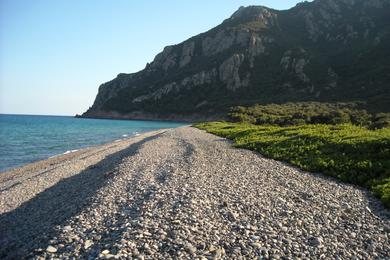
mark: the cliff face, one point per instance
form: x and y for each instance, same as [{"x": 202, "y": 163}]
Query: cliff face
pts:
[{"x": 326, "y": 50}]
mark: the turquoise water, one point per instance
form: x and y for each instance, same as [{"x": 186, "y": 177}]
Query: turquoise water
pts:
[{"x": 25, "y": 138}]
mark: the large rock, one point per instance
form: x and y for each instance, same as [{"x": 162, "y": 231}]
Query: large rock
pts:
[
  {"x": 228, "y": 71},
  {"x": 329, "y": 50}
]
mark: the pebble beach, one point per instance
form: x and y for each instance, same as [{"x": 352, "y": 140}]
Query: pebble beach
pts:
[{"x": 184, "y": 194}]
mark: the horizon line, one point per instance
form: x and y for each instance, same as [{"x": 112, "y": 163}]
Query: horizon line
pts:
[{"x": 24, "y": 114}]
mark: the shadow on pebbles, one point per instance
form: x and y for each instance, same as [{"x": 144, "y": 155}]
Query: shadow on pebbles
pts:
[{"x": 183, "y": 193}]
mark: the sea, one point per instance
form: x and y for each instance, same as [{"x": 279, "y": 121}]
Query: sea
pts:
[{"x": 29, "y": 138}]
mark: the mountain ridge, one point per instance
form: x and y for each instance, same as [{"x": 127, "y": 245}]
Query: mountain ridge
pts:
[{"x": 325, "y": 50}]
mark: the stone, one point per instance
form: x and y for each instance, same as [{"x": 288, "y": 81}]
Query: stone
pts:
[
  {"x": 51, "y": 249},
  {"x": 257, "y": 245},
  {"x": 190, "y": 248},
  {"x": 105, "y": 252},
  {"x": 88, "y": 244},
  {"x": 315, "y": 241},
  {"x": 67, "y": 228}
]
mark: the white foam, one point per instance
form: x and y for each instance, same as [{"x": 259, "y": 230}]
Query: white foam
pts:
[
  {"x": 70, "y": 151},
  {"x": 124, "y": 135}
]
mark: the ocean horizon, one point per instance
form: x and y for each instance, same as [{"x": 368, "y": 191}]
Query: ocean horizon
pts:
[{"x": 29, "y": 138}]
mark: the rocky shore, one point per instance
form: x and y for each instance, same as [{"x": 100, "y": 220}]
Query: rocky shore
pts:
[
  {"x": 183, "y": 193},
  {"x": 189, "y": 118}
]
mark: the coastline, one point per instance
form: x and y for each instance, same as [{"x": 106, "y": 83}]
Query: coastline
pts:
[
  {"x": 67, "y": 155},
  {"x": 193, "y": 118},
  {"x": 8, "y": 178},
  {"x": 182, "y": 193},
  {"x": 28, "y": 139}
]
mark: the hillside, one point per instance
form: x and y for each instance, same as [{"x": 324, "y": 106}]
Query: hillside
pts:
[{"x": 325, "y": 50}]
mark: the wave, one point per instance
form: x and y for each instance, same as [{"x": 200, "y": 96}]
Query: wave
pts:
[
  {"x": 67, "y": 152},
  {"x": 70, "y": 151}
]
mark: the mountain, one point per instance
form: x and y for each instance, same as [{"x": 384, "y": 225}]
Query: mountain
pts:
[{"x": 325, "y": 50}]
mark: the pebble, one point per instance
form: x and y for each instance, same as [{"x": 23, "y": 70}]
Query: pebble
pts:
[
  {"x": 315, "y": 241},
  {"x": 51, "y": 249},
  {"x": 105, "y": 252},
  {"x": 67, "y": 228},
  {"x": 190, "y": 248},
  {"x": 185, "y": 194},
  {"x": 88, "y": 244}
]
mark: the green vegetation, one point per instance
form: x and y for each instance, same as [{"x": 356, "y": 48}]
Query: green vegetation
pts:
[
  {"x": 310, "y": 113},
  {"x": 348, "y": 152}
]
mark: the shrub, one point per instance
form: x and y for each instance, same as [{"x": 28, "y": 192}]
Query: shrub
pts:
[{"x": 309, "y": 113}]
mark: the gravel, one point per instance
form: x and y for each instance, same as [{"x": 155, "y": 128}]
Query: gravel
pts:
[{"x": 183, "y": 193}]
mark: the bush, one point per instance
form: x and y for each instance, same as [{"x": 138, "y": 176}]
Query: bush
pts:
[
  {"x": 380, "y": 120},
  {"x": 309, "y": 113}
]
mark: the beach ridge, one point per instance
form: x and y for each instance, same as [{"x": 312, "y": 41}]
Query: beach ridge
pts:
[{"x": 183, "y": 193}]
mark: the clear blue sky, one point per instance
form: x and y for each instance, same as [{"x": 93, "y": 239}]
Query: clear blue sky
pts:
[{"x": 55, "y": 53}]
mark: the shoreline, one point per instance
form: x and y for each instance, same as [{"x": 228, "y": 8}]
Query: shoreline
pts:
[
  {"x": 183, "y": 193},
  {"x": 75, "y": 149},
  {"x": 67, "y": 156},
  {"x": 192, "y": 118}
]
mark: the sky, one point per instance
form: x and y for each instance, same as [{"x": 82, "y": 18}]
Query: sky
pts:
[{"x": 55, "y": 54}]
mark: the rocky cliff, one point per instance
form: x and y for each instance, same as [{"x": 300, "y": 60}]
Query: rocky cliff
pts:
[{"x": 325, "y": 50}]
